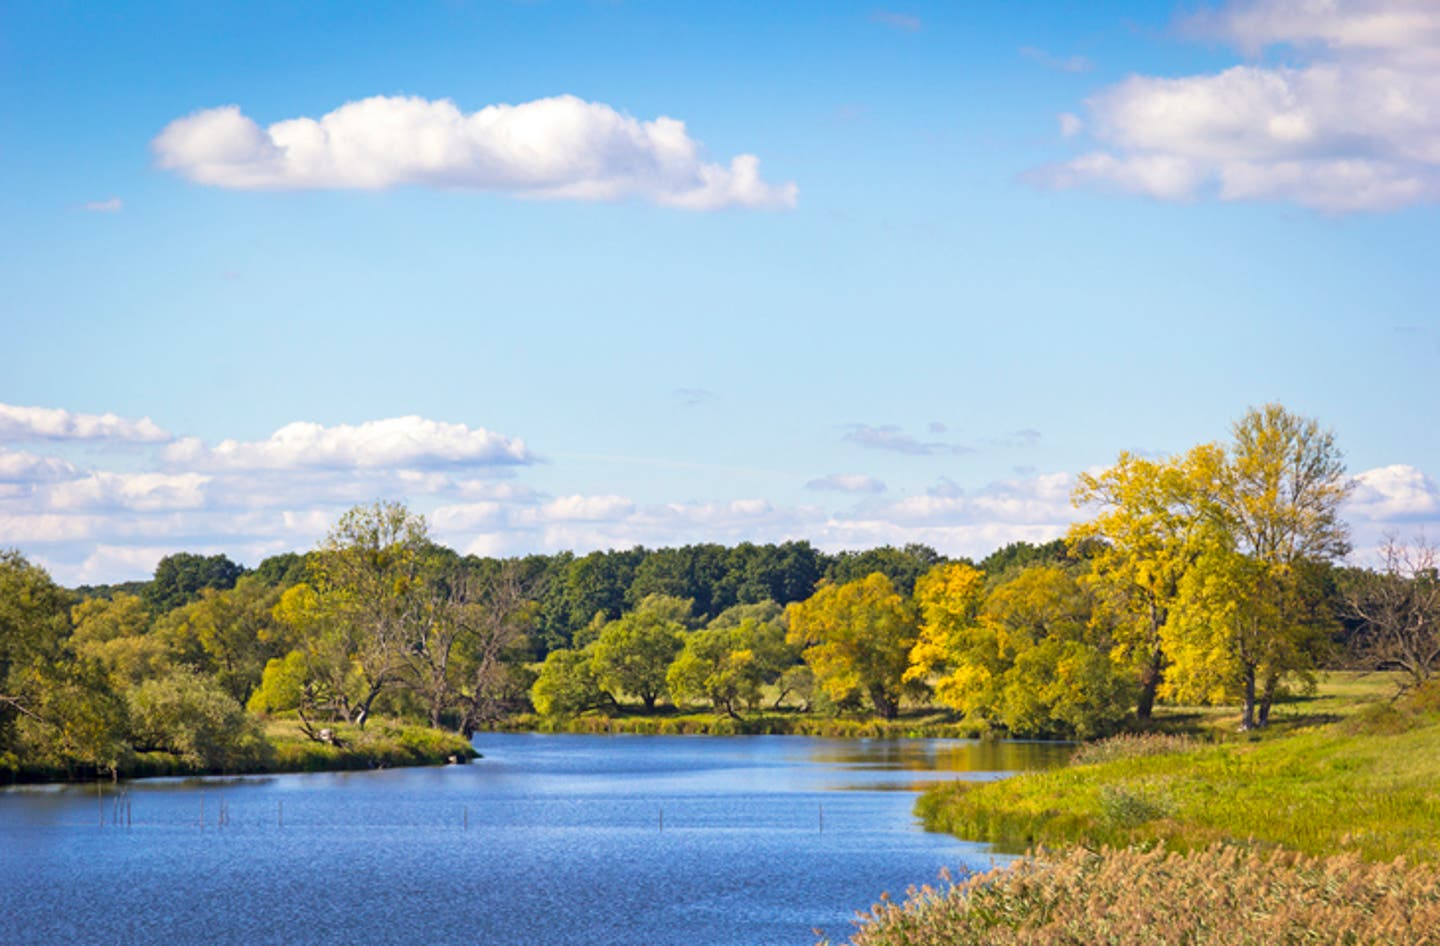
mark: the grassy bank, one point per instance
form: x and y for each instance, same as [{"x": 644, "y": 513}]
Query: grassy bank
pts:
[
  {"x": 382, "y": 744},
  {"x": 1324, "y": 829},
  {"x": 1367, "y": 784}
]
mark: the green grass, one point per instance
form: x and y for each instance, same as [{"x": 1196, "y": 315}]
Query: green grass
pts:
[
  {"x": 1346, "y": 771},
  {"x": 382, "y": 744}
]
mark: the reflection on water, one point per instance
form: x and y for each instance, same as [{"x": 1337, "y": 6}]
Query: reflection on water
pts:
[
  {"x": 548, "y": 839},
  {"x": 944, "y": 755}
]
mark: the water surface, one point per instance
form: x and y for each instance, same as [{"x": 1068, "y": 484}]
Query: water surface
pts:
[{"x": 604, "y": 840}]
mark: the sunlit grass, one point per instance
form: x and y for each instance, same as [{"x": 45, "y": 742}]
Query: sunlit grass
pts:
[{"x": 1369, "y": 784}]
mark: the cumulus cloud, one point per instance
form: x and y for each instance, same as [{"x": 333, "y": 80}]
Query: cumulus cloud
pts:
[
  {"x": 142, "y": 492},
  {"x": 847, "y": 483},
  {"x": 1394, "y": 494},
  {"x": 409, "y": 441},
  {"x": 53, "y": 423},
  {"x": 558, "y": 148},
  {"x": 1349, "y": 125},
  {"x": 17, "y": 466}
]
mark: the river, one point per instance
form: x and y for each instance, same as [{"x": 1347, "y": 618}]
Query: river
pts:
[{"x": 596, "y": 840}]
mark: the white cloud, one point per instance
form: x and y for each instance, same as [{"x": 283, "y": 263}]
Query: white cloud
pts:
[
  {"x": 1070, "y": 124},
  {"x": 847, "y": 483},
  {"x": 141, "y": 492},
  {"x": 1394, "y": 494},
  {"x": 17, "y": 466},
  {"x": 1351, "y": 125},
  {"x": 561, "y": 148},
  {"x": 395, "y": 442},
  {"x": 53, "y": 423},
  {"x": 112, "y": 205}
]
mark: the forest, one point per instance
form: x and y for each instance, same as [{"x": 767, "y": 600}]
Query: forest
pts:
[{"x": 1216, "y": 576}]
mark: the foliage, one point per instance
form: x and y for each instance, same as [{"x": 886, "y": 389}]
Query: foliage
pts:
[
  {"x": 902, "y": 566},
  {"x": 1231, "y": 896},
  {"x": 729, "y": 665},
  {"x": 1027, "y": 654},
  {"x": 192, "y": 716},
  {"x": 857, "y": 637},
  {"x": 566, "y": 684},
  {"x": 180, "y": 578},
  {"x": 633, "y": 654}
]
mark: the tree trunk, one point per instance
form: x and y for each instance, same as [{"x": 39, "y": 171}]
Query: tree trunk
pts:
[
  {"x": 1267, "y": 698},
  {"x": 884, "y": 705},
  {"x": 1247, "y": 720},
  {"x": 1149, "y": 683}
]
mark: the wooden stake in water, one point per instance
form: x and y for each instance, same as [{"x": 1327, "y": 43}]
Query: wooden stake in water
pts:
[
  {"x": 100, "y": 802},
  {"x": 662, "y": 819},
  {"x": 280, "y": 814},
  {"x": 202, "y": 811},
  {"x": 822, "y": 819},
  {"x": 466, "y": 817}
]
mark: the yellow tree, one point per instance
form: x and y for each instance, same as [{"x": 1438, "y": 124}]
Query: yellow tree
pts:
[
  {"x": 955, "y": 653},
  {"x": 857, "y": 636},
  {"x": 1248, "y": 619},
  {"x": 1150, "y": 521}
]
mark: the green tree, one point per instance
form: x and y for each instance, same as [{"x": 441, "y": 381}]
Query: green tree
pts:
[
  {"x": 191, "y": 715},
  {"x": 857, "y": 636},
  {"x": 180, "y": 578},
  {"x": 633, "y": 654},
  {"x": 566, "y": 684}
]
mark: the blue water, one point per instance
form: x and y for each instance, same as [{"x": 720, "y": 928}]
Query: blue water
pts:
[{"x": 644, "y": 841}]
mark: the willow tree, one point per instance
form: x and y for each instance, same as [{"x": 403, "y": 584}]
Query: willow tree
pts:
[{"x": 857, "y": 636}]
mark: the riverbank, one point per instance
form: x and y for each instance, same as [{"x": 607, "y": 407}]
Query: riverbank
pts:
[
  {"x": 1328, "y": 826},
  {"x": 925, "y": 725},
  {"x": 382, "y": 744}
]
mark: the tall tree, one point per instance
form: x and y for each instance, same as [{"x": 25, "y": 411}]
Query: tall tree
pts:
[
  {"x": 1249, "y": 619},
  {"x": 180, "y": 578},
  {"x": 1149, "y": 529}
]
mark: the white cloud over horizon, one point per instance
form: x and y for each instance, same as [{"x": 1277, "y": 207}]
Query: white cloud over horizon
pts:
[
  {"x": 52, "y": 423},
  {"x": 254, "y": 499},
  {"x": 560, "y": 148},
  {"x": 410, "y": 441},
  {"x": 1348, "y": 123}
]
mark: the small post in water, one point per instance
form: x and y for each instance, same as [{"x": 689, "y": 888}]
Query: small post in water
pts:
[
  {"x": 465, "y": 818},
  {"x": 822, "y": 818},
  {"x": 662, "y": 819}
]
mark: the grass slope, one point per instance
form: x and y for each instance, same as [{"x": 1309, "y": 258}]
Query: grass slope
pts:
[{"x": 1368, "y": 784}]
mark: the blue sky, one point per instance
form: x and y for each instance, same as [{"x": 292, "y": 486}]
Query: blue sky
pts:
[{"x": 987, "y": 246}]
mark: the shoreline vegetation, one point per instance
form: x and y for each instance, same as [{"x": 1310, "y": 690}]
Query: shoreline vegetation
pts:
[{"x": 1324, "y": 829}]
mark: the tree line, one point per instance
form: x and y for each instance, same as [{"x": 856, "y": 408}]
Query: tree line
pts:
[{"x": 1208, "y": 577}]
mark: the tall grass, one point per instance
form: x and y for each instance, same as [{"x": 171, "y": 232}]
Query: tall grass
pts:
[{"x": 1217, "y": 896}]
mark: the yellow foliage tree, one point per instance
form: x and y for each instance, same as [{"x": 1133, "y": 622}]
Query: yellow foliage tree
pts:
[{"x": 857, "y": 636}]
